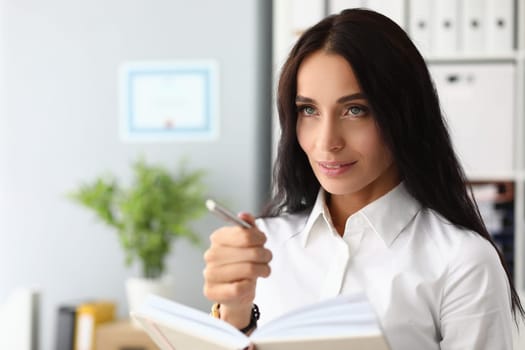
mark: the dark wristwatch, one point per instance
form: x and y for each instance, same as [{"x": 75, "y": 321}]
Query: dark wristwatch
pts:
[{"x": 253, "y": 320}]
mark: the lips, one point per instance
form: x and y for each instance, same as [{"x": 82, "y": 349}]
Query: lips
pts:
[{"x": 335, "y": 168}]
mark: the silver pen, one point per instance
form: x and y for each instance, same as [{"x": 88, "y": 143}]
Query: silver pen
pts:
[{"x": 225, "y": 214}]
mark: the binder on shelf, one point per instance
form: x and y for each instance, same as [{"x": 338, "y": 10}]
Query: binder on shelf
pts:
[
  {"x": 473, "y": 26},
  {"x": 65, "y": 325},
  {"x": 445, "y": 27},
  {"x": 306, "y": 13},
  {"x": 393, "y": 9},
  {"x": 500, "y": 26},
  {"x": 88, "y": 317},
  {"x": 419, "y": 25},
  {"x": 495, "y": 201},
  {"x": 336, "y": 6},
  {"x": 19, "y": 319},
  {"x": 478, "y": 101}
]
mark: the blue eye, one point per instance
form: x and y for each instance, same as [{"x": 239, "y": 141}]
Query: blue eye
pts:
[
  {"x": 309, "y": 110},
  {"x": 306, "y": 110},
  {"x": 357, "y": 111}
]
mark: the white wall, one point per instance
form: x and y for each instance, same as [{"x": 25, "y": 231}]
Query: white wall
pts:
[
  {"x": 58, "y": 127},
  {"x": 3, "y": 120}
]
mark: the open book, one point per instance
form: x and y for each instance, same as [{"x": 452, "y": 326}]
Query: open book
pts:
[{"x": 341, "y": 323}]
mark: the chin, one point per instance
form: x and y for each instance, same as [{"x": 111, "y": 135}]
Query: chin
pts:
[{"x": 341, "y": 189}]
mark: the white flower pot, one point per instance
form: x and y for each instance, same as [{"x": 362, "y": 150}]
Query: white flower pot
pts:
[{"x": 137, "y": 289}]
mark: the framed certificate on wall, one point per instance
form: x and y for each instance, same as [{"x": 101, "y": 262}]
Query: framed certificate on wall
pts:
[{"x": 169, "y": 101}]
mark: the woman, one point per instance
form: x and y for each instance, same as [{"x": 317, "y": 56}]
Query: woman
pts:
[{"x": 369, "y": 195}]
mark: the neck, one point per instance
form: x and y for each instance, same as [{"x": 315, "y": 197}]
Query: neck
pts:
[{"x": 342, "y": 206}]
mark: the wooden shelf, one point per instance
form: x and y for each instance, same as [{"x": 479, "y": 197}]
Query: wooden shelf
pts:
[{"x": 122, "y": 334}]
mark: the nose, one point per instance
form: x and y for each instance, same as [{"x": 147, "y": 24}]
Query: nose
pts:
[{"x": 330, "y": 137}]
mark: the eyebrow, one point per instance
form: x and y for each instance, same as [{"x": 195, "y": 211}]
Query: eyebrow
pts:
[{"x": 344, "y": 99}]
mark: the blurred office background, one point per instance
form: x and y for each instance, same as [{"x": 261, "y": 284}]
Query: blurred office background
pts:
[{"x": 59, "y": 123}]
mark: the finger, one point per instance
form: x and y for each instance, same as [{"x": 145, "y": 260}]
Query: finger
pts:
[
  {"x": 235, "y": 272},
  {"x": 234, "y": 236},
  {"x": 224, "y": 255},
  {"x": 249, "y": 218},
  {"x": 239, "y": 292}
]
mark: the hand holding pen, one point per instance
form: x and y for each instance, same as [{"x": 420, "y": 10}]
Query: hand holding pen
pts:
[{"x": 235, "y": 259}]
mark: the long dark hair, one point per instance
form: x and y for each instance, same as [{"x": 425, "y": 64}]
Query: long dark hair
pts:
[{"x": 397, "y": 84}]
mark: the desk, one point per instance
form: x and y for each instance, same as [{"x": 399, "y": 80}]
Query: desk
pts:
[{"x": 122, "y": 335}]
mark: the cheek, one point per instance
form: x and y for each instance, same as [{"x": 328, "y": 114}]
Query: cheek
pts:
[
  {"x": 371, "y": 146},
  {"x": 302, "y": 137},
  {"x": 362, "y": 138}
]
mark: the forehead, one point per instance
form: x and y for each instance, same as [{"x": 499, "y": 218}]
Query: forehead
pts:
[{"x": 324, "y": 73}]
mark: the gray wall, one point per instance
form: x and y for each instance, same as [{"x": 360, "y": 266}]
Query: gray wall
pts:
[{"x": 59, "y": 127}]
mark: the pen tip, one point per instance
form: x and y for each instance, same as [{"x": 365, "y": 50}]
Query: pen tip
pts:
[{"x": 210, "y": 204}]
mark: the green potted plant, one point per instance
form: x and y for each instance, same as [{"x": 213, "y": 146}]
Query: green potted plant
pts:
[{"x": 148, "y": 216}]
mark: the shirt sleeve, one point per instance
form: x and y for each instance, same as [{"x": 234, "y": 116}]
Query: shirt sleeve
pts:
[{"x": 476, "y": 301}]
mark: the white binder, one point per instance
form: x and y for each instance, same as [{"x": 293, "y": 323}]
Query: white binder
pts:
[
  {"x": 19, "y": 320},
  {"x": 393, "y": 9},
  {"x": 473, "y": 26},
  {"x": 445, "y": 27},
  {"x": 500, "y": 26},
  {"x": 419, "y": 26},
  {"x": 478, "y": 102},
  {"x": 336, "y": 6},
  {"x": 306, "y": 13}
]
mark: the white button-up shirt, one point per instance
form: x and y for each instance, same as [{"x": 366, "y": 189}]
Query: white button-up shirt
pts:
[{"x": 433, "y": 285}]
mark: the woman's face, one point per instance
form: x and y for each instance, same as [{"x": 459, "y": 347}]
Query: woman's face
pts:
[{"x": 337, "y": 130}]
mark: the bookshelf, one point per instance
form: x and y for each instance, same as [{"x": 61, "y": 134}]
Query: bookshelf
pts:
[
  {"x": 122, "y": 335},
  {"x": 510, "y": 180}
]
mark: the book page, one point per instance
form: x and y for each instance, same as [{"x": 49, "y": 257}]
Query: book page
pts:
[
  {"x": 171, "y": 319},
  {"x": 337, "y": 324},
  {"x": 343, "y": 316},
  {"x": 344, "y": 343}
]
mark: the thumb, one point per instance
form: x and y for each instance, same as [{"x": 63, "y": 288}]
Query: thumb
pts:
[{"x": 249, "y": 218}]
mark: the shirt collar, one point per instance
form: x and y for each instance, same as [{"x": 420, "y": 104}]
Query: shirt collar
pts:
[
  {"x": 391, "y": 213},
  {"x": 319, "y": 212},
  {"x": 387, "y": 216}
]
